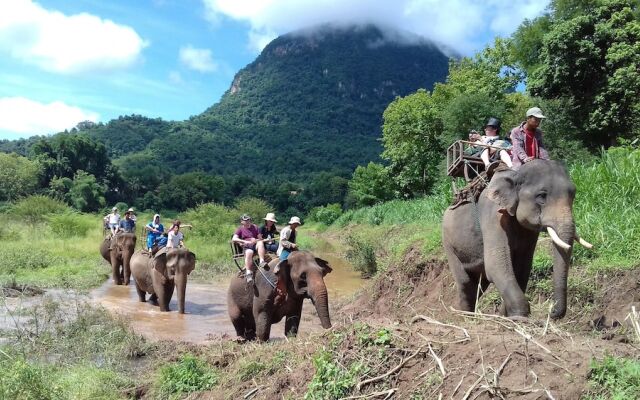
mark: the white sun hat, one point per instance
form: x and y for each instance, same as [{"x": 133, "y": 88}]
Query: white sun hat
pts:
[
  {"x": 294, "y": 220},
  {"x": 270, "y": 217}
]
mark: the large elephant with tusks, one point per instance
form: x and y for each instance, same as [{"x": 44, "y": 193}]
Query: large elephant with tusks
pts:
[{"x": 494, "y": 239}]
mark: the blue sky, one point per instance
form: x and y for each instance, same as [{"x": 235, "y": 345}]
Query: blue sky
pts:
[{"x": 64, "y": 61}]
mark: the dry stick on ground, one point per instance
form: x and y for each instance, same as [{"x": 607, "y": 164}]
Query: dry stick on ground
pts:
[
  {"x": 438, "y": 360},
  {"x": 392, "y": 371},
  {"x": 470, "y": 390},
  {"x": 503, "y": 321},
  {"x": 457, "y": 387},
  {"x": 386, "y": 393},
  {"x": 433, "y": 321}
]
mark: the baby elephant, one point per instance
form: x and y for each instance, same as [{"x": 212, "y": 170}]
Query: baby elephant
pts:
[{"x": 159, "y": 274}]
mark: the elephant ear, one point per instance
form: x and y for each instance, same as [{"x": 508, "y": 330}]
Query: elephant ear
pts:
[
  {"x": 160, "y": 264},
  {"x": 324, "y": 264},
  {"x": 191, "y": 258},
  {"x": 502, "y": 190}
]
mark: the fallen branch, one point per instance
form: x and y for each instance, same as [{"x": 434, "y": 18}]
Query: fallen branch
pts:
[
  {"x": 502, "y": 321},
  {"x": 470, "y": 390},
  {"x": 438, "y": 360},
  {"x": 386, "y": 393},
  {"x": 392, "y": 371},
  {"x": 433, "y": 321}
]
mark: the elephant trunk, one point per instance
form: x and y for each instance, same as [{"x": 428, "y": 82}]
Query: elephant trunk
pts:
[
  {"x": 126, "y": 265},
  {"x": 561, "y": 263},
  {"x": 181, "y": 286},
  {"x": 320, "y": 298}
]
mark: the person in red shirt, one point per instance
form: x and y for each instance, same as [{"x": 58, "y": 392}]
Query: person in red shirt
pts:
[
  {"x": 527, "y": 139},
  {"x": 248, "y": 236}
]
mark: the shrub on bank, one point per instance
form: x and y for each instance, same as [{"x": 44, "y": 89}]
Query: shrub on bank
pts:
[
  {"x": 35, "y": 208},
  {"x": 71, "y": 224},
  {"x": 190, "y": 374},
  {"x": 326, "y": 214}
]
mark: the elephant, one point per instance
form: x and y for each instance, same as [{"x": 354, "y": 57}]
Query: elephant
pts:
[
  {"x": 493, "y": 239},
  {"x": 119, "y": 256},
  {"x": 160, "y": 273},
  {"x": 252, "y": 308}
]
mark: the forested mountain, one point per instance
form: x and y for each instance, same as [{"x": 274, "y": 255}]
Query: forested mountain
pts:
[{"x": 328, "y": 80}]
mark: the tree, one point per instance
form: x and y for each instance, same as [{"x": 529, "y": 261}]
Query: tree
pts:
[
  {"x": 86, "y": 194},
  {"x": 19, "y": 176},
  {"x": 190, "y": 189},
  {"x": 589, "y": 55},
  {"x": 411, "y": 136},
  {"x": 370, "y": 185}
]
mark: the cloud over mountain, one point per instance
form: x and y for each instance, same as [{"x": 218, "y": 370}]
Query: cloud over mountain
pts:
[{"x": 463, "y": 25}]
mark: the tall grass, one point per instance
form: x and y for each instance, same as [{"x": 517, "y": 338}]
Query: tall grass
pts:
[{"x": 607, "y": 208}]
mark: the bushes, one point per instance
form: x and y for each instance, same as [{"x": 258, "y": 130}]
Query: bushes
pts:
[
  {"x": 362, "y": 256},
  {"x": 256, "y": 208},
  {"x": 14, "y": 257},
  {"x": 212, "y": 221},
  {"x": 22, "y": 380},
  {"x": 69, "y": 224},
  {"x": 35, "y": 208},
  {"x": 326, "y": 214}
]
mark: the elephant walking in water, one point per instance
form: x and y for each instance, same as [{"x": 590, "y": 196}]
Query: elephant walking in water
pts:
[
  {"x": 494, "y": 239},
  {"x": 118, "y": 251},
  {"x": 252, "y": 309},
  {"x": 159, "y": 274}
]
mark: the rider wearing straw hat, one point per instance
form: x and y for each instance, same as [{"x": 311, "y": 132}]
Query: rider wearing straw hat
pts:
[
  {"x": 268, "y": 232},
  {"x": 287, "y": 241}
]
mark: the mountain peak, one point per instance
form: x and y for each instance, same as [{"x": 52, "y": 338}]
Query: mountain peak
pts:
[{"x": 330, "y": 78}]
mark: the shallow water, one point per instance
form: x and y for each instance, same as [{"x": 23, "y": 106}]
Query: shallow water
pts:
[{"x": 205, "y": 315}]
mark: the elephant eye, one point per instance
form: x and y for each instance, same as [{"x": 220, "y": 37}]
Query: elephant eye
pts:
[{"x": 541, "y": 198}]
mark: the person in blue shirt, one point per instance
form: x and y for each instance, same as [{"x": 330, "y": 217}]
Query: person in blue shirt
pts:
[
  {"x": 154, "y": 231},
  {"x": 127, "y": 225}
]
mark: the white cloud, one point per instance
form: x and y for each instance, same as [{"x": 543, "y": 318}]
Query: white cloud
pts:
[
  {"x": 25, "y": 117},
  {"x": 65, "y": 43},
  {"x": 464, "y": 25},
  {"x": 197, "y": 59}
]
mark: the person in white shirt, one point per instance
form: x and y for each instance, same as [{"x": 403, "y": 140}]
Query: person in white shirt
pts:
[
  {"x": 112, "y": 220},
  {"x": 175, "y": 238}
]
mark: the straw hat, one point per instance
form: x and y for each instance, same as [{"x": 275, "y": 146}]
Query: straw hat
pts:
[
  {"x": 294, "y": 220},
  {"x": 270, "y": 217}
]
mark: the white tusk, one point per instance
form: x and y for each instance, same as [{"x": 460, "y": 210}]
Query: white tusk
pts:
[
  {"x": 584, "y": 242},
  {"x": 556, "y": 239}
]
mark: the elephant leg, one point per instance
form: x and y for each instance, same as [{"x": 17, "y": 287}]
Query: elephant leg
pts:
[
  {"x": 522, "y": 262},
  {"x": 292, "y": 322},
  {"x": 467, "y": 280},
  {"x": 153, "y": 299},
  {"x": 263, "y": 326},
  {"x": 166, "y": 298},
  {"x": 142, "y": 295}
]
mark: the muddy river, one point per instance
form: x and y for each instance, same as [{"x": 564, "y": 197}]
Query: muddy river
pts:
[{"x": 206, "y": 306}]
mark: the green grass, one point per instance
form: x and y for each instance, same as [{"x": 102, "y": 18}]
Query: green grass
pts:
[
  {"x": 190, "y": 374},
  {"x": 614, "y": 378},
  {"x": 83, "y": 358}
]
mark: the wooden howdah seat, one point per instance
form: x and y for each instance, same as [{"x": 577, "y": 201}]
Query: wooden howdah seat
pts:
[
  {"x": 237, "y": 254},
  {"x": 463, "y": 159}
]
